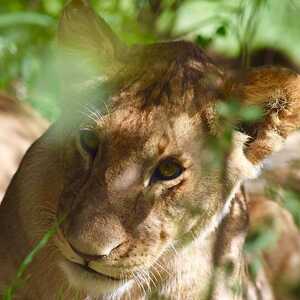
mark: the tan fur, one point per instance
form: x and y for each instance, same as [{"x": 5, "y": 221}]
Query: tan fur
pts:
[
  {"x": 20, "y": 126},
  {"x": 141, "y": 239}
]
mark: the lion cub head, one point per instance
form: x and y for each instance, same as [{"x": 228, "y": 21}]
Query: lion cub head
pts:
[{"x": 138, "y": 180}]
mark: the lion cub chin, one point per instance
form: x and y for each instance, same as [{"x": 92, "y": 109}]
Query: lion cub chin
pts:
[{"x": 95, "y": 284}]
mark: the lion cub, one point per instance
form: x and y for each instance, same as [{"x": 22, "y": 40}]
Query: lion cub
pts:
[{"x": 145, "y": 209}]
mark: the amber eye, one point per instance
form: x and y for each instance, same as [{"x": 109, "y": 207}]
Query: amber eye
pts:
[
  {"x": 89, "y": 141},
  {"x": 167, "y": 170}
]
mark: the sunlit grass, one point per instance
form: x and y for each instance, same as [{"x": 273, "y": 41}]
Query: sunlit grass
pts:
[{"x": 19, "y": 279}]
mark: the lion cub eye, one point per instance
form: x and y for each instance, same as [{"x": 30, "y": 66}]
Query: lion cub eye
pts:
[
  {"x": 167, "y": 170},
  {"x": 89, "y": 141}
]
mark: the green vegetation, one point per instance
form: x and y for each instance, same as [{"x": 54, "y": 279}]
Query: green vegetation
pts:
[
  {"x": 231, "y": 28},
  {"x": 19, "y": 278}
]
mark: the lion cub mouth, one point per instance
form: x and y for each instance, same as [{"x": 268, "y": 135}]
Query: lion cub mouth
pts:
[
  {"x": 87, "y": 269},
  {"x": 84, "y": 278},
  {"x": 87, "y": 272}
]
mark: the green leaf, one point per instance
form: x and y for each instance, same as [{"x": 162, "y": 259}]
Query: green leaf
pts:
[
  {"x": 251, "y": 113},
  {"x": 203, "y": 41},
  {"x": 221, "y": 31},
  {"x": 19, "y": 280},
  {"x": 29, "y": 18}
]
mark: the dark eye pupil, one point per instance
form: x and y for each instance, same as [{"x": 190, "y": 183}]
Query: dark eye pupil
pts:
[
  {"x": 167, "y": 170},
  {"x": 89, "y": 141}
]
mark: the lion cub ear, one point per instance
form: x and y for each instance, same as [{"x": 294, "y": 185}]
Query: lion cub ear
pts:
[
  {"x": 88, "y": 37},
  {"x": 277, "y": 91}
]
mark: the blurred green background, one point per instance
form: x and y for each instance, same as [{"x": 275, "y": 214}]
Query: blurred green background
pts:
[{"x": 230, "y": 28}]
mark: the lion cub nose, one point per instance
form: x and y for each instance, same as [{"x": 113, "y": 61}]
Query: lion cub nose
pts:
[
  {"x": 96, "y": 238},
  {"x": 105, "y": 253}
]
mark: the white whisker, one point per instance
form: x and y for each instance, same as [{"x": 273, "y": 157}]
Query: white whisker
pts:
[
  {"x": 139, "y": 283},
  {"x": 150, "y": 279},
  {"x": 156, "y": 281},
  {"x": 163, "y": 268},
  {"x": 144, "y": 278},
  {"x": 92, "y": 113},
  {"x": 106, "y": 107}
]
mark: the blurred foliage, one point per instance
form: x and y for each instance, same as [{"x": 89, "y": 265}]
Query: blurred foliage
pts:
[
  {"x": 231, "y": 27},
  {"x": 231, "y": 115},
  {"x": 287, "y": 197}
]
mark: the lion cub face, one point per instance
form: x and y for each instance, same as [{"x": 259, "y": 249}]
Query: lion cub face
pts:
[
  {"x": 135, "y": 188},
  {"x": 136, "y": 185},
  {"x": 138, "y": 180}
]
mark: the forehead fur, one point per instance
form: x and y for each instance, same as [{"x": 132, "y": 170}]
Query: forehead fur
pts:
[
  {"x": 146, "y": 133},
  {"x": 160, "y": 93},
  {"x": 175, "y": 75}
]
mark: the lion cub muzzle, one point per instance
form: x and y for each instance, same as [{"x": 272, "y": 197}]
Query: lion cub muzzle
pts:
[{"x": 95, "y": 237}]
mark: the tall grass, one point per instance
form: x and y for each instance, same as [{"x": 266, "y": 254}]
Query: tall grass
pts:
[{"x": 19, "y": 279}]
